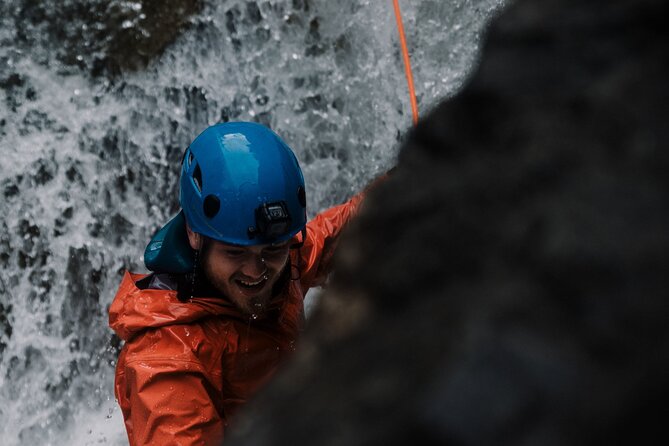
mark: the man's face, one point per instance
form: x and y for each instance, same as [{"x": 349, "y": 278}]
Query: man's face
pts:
[{"x": 245, "y": 274}]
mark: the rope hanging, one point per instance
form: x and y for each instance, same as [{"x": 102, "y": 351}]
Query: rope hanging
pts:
[{"x": 407, "y": 62}]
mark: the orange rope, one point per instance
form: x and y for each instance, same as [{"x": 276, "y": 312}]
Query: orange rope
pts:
[{"x": 407, "y": 62}]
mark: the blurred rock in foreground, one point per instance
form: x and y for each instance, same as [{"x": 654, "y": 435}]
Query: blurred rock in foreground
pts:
[{"x": 508, "y": 285}]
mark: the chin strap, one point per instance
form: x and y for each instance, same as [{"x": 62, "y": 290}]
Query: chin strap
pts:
[
  {"x": 299, "y": 244},
  {"x": 196, "y": 265},
  {"x": 189, "y": 281}
]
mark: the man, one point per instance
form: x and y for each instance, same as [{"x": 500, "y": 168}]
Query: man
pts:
[{"x": 224, "y": 305}]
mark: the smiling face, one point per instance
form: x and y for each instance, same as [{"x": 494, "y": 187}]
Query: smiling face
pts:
[{"x": 244, "y": 274}]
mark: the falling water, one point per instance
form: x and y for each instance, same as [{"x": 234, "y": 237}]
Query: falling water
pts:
[{"x": 89, "y": 156}]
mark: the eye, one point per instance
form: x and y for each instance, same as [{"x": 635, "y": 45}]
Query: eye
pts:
[
  {"x": 275, "y": 250},
  {"x": 232, "y": 252}
]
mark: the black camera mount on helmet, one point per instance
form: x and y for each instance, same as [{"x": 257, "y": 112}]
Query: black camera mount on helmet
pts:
[{"x": 272, "y": 220}]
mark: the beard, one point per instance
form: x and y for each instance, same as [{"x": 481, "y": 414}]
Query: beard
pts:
[{"x": 254, "y": 303}]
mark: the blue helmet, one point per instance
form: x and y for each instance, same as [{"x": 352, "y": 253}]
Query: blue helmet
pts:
[{"x": 240, "y": 184}]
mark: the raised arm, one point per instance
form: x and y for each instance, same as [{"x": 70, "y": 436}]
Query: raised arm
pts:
[
  {"x": 321, "y": 240},
  {"x": 323, "y": 235}
]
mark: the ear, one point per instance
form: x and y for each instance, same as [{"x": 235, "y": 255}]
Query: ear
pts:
[{"x": 194, "y": 238}]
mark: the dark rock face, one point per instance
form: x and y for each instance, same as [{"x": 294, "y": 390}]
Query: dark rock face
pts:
[
  {"x": 507, "y": 285},
  {"x": 102, "y": 37}
]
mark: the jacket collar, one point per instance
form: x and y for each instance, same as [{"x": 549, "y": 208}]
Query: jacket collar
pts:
[{"x": 134, "y": 310}]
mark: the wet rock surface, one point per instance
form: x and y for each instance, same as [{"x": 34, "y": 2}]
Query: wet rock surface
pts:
[
  {"x": 111, "y": 37},
  {"x": 507, "y": 284}
]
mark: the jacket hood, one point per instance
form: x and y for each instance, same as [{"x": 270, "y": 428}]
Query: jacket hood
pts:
[{"x": 135, "y": 310}]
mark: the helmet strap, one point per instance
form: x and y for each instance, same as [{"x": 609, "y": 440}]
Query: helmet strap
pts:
[
  {"x": 196, "y": 265},
  {"x": 299, "y": 244},
  {"x": 191, "y": 283}
]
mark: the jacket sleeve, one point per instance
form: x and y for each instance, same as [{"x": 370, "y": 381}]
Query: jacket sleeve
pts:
[
  {"x": 321, "y": 241},
  {"x": 171, "y": 401}
]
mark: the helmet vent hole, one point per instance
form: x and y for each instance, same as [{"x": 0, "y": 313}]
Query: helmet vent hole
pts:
[
  {"x": 197, "y": 178},
  {"x": 190, "y": 158},
  {"x": 211, "y": 206}
]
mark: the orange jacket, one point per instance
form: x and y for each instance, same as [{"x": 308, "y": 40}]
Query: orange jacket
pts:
[{"x": 186, "y": 367}]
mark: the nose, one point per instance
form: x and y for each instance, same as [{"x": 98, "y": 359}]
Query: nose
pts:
[{"x": 254, "y": 266}]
